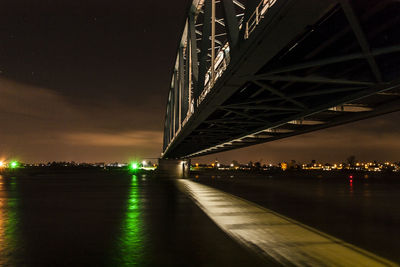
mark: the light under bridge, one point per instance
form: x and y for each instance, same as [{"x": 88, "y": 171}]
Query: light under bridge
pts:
[{"x": 249, "y": 72}]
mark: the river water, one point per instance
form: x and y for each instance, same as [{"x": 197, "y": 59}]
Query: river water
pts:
[
  {"x": 100, "y": 218},
  {"x": 363, "y": 211},
  {"x": 93, "y": 218}
]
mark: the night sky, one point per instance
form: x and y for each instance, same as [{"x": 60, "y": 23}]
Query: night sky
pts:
[{"x": 88, "y": 81}]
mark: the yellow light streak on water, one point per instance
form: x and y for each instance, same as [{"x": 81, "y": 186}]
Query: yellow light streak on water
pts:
[
  {"x": 8, "y": 220},
  {"x": 2, "y": 221},
  {"x": 273, "y": 235}
]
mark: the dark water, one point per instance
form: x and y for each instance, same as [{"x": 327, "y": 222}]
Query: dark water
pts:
[
  {"x": 108, "y": 219},
  {"x": 362, "y": 211},
  {"x": 93, "y": 218}
]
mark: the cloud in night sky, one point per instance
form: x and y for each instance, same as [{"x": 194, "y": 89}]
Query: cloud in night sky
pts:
[
  {"x": 29, "y": 101},
  {"x": 136, "y": 138},
  {"x": 40, "y": 121},
  {"x": 88, "y": 81}
]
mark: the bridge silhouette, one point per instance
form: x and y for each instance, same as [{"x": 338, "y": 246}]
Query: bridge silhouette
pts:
[{"x": 254, "y": 71}]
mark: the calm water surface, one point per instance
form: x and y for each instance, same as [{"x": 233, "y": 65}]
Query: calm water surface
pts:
[
  {"x": 94, "y": 218},
  {"x": 107, "y": 219},
  {"x": 362, "y": 211}
]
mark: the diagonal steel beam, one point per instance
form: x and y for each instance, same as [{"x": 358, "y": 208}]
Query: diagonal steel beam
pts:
[
  {"x": 380, "y": 6},
  {"x": 279, "y": 93},
  {"x": 220, "y": 22},
  {"x": 311, "y": 93},
  {"x": 362, "y": 40},
  {"x": 224, "y": 126},
  {"x": 216, "y": 130},
  {"x": 328, "y": 91},
  {"x": 239, "y": 4},
  {"x": 262, "y": 107},
  {"x": 242, "y": 114},
  {"x": 333, "y": 60},
  {"x": 242, "y": 122},
  {"x": 308, "y": 79},
  {"x": 231, "y": 25}
]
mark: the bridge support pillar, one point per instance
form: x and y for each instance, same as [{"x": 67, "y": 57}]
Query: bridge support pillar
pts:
[{"x": 177, "y": 168}]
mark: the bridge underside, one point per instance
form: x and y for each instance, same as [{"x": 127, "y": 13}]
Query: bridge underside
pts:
[{"x": 308, "y": 65}]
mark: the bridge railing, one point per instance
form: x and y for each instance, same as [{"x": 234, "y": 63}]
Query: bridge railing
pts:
[
  {"x": 257, "y": 15},
  {"x": 223, "y": 56},
  {"x": 222, "y": 59},
  {"x": 189, "y": 113},
  {"x": 221, "y": 62}
]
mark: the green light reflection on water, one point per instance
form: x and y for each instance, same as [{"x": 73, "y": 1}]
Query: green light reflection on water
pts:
[{"x": 131, "y": 240}]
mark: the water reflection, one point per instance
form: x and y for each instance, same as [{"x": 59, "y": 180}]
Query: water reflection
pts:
[
  {"x": 131, "y": 240},
  {"x": 8, "y": 220},
  {"x": 2, "y": 221},
  {"x": 366, "y": 192},
  {"x": 351, "y": 185}
]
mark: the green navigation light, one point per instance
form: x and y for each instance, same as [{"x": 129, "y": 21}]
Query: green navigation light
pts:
[
  {"x": 13, "y": 164},
  {"x": 134, "y": 166}
]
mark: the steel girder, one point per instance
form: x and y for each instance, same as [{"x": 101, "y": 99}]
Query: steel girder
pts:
[{"x": 306, "y": 65}]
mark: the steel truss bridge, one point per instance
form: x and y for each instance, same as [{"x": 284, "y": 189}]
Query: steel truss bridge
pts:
[{"x": 249, "y": 72}]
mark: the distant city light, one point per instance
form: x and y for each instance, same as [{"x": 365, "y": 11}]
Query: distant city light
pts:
[{"x": 284, "y": 166}]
